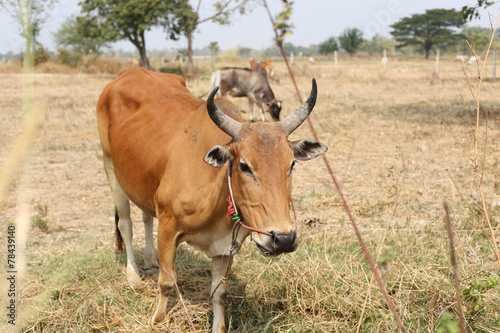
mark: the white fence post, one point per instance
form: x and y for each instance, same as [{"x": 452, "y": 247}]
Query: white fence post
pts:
[
  {"x": 384, "y": 62},
  {"x": 336, "y": 61}
]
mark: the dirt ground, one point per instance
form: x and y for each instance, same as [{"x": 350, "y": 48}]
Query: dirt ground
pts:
[{"x": 391, "y": 147}]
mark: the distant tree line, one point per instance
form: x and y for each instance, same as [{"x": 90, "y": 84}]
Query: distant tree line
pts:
[{"x": 102, "y": 22}]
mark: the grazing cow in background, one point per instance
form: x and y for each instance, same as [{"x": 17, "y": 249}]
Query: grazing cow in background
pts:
[
  {"x": 474, "y": 59},
  {"x": 253, "y": 84},
  {"x": 267, "y": 65},
  {"x": 462, "y": 58},
  {"x": 178, "y": 157}
]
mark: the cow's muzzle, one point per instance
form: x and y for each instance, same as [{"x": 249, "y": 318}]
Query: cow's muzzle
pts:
[{"x": 277, "y": 243}]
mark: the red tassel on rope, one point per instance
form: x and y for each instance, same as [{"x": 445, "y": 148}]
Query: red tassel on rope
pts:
[{"x": 230, "y": 208}]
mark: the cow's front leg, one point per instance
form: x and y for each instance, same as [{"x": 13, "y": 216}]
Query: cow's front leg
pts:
[
  {"x": 262, "y": 114},
  {"x": 167, "y": 244},
  {"x": 220, "y": 265},
  {"x": 258, "y": 102}
]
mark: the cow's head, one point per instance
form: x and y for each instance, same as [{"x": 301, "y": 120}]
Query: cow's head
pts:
[
  {"x": 262, "y": 164},
  {"x": 274, "y": 108}
]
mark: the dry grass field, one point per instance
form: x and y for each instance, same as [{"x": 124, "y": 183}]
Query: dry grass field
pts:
[{"x": 395, "y": 160}]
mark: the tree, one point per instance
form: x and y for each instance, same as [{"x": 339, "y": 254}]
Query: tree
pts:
[
  {"x": 377, "y": 45},
  {"x": 429, "y": 29},
  {"x": 469, "y": 12},
  {"x": 351, "y": 39},
  {"x": 130, "y": 19},
  {"x": 244, "y": 52},
  {"x": 36, "y": 12},
  {"x": 479, "y": 42},
  {"x": 328, "y": 46},
  {"x": 481, "y": 38},
  {"x": 73, "y": 35},
  {"x": 191, "y": 19}
]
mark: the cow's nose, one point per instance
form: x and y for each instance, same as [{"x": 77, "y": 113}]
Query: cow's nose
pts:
[{"x": 283, "y": 243}]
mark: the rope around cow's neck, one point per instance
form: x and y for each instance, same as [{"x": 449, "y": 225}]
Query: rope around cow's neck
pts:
[{"x": 232, "y": 212}]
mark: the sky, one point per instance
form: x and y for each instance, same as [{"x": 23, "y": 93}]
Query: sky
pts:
[{"x": 314, "y": 21}]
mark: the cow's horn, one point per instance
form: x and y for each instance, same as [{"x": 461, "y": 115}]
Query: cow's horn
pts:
[
  {"x": 223, "y": 121},
  {"x": 292, "y": 121}
]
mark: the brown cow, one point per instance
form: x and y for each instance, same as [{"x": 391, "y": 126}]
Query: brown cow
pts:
[
  {"x": 267, "y": 65},
  {"x": 155, "y": 136}
]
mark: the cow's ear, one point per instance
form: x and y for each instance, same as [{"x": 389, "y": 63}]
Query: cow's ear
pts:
[
  {"x": 217, "y": 156},
  {"x": 307, "y": 149}
]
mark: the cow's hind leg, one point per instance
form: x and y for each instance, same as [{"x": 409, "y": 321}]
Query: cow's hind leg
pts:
[
  {"x": 250, "y": 108},
  {"x": 220, "y": 265},
  {"x": 167, "y": 244},
  {"x": 151, "y": 257},
  {"x": 123, "y": 220}
]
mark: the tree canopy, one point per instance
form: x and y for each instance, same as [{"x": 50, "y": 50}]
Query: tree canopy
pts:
[
  {"x": 129, "y": 19},
  {"x": 190, "y": 19},
  {"x": 328, "y": 46},
  {"x": 471, "y": 12},
  {"x": 73, "y": 35},
  {"x": 481, "y": 38},
  {"x": 36, "y": 11},
  {"x": 351, "y": 39},
  {"x": 377, "y": 44},
  {"x": 434, "y": 28}
]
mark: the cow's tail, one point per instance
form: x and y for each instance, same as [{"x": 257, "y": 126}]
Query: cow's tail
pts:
[
  {"x": 214, "y": 82},
  {"x": 118, "y": 234}
]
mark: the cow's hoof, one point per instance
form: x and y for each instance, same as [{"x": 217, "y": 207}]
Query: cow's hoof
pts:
[
  {"x": 158, "y": 317},
  {"x": 151, "y": 261},
  {"x": 133, "y": 277}
]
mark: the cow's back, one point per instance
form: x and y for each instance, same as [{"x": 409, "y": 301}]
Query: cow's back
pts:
[
  {"x": 148, "y": 119},
  {"x": 240, "y": 82}
]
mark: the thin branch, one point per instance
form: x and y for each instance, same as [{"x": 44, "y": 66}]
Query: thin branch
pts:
[
  {"x": 389, "y": 225},
  {"x": 344, "y": 202},
  {"x": 172, "y": 276},
  {"x": 468, "y": 116},
  {"x": 456, "y": 282},
  {"x": 222, "y": 11},
  {"x": 454, "y": 138},
  {"x": 183, "y": 303},
  {"x": 461, "y": 190},
  {"x": 478, "y": 175}
]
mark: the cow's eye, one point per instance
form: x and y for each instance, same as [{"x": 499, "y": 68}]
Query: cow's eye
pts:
[{"x": 245, "y": 168}]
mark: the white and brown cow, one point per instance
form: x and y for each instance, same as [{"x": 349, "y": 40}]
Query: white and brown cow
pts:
[{"x": 169, "y": 152}]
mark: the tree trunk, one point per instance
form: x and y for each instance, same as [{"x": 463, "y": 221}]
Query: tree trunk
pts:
[
  {"x": 427, "y": 52},
  {"x": 142, "y": 51},
  {"x": 144, "y": 57},
  {"x": 190, "y": 62},
  {"x": 427, "y": 47}
]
